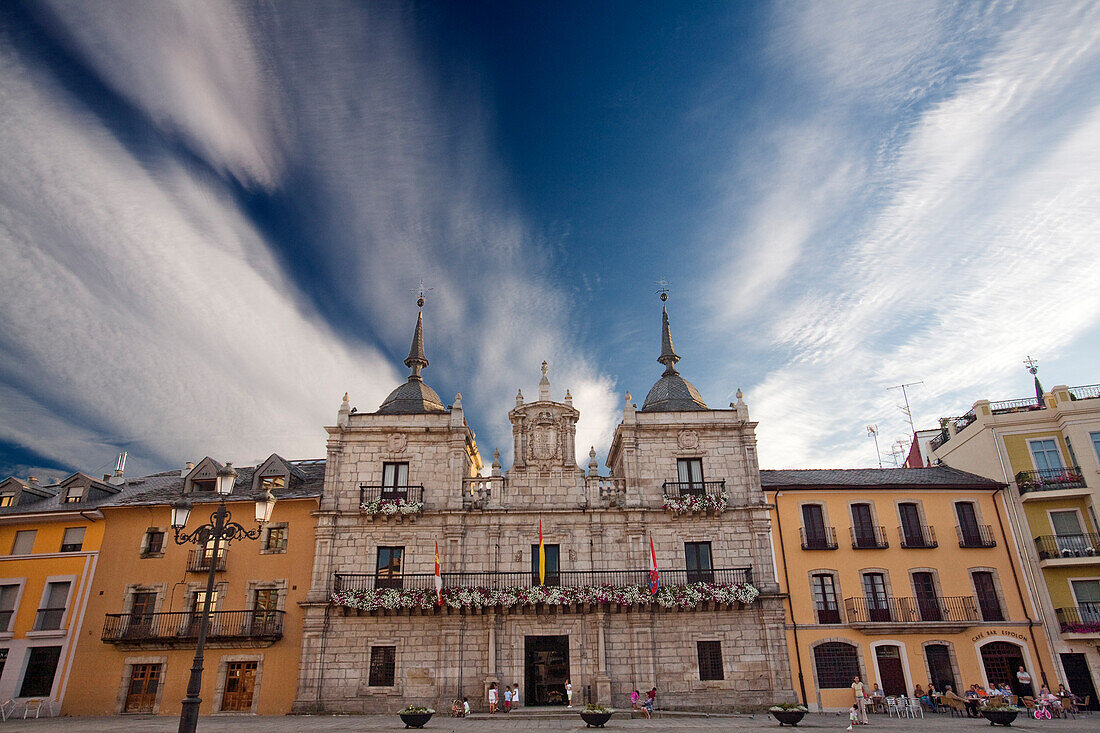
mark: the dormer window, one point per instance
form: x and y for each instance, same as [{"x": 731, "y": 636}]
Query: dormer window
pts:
[
  {"x": 7, "y": 499},
  {"x": 273, "y": 482},
  {"x": 202, "y": 484},
  {"x": 74, "y": 494}
]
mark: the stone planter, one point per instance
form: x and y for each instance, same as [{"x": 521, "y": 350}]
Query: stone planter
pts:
[
  {"x": 788, "y": 717},
  {"x": 595, "y": 720},
  {"x": 1000, "y": 717},
  {"x": 415, "y": 720}
]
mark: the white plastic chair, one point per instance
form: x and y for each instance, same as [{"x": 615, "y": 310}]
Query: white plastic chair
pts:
[
  {"x": 892, "y": 707},
  {"x": 7, "y": 708},
  {"x": 913, "y": 707}
]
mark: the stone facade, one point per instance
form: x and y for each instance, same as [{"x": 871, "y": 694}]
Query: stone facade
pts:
[{"x": 489, "y": 525}]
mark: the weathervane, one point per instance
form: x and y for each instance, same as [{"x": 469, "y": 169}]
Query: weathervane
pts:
[
  {"x": 1032, "y": 365},
  {"x": 420, "y": 291},
  {"x": 662, "y": 289}
]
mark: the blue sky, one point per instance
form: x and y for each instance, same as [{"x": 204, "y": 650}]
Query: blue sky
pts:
[{"x": 212, "y": 215}]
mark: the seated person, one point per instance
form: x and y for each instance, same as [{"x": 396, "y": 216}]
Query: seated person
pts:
[{"x": 973, "y": 701}]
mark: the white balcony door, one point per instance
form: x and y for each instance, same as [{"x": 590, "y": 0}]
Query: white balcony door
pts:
[{"x": 1046, "y": 456}]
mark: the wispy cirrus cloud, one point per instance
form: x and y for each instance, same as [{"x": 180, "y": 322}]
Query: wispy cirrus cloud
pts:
[
  {"x": 216, "y": 276},
  {"x": 956, "y": 247}
]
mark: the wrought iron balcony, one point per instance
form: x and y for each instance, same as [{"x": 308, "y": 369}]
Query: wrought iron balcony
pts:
[
  {"x": 367, "y": 494},
  {"x": 919, "y": 537},
  {"x": 890, "y": 610},
  {"x": 823, "y": 539},
  {"x": 1050, "y": 479},
  {"x": 1086, "y": 392},
  {"x": 677, "y": 489},
  {"x": 1065, "y": 546},
  {"x": 1004, "y": 407},
  {"x": 869, "y": 538},
  {"x": 182, "y": 627},
  {"x": 198, "y": 561},
  {"x": 568, "y": 578},
  {"x": 961, "y": 423},
  {"x": 978, "y": 536},
  {"x": 1084, "y": 619}
]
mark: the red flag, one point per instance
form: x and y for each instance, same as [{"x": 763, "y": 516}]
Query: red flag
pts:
[
  {"x": 653, "y": 574},
  {"x": 438, "y": 577}
]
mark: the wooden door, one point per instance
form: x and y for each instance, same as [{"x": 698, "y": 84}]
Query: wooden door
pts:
[
  {"x": 890, "y": 670},
  {"x": 141, "y": 614},
  {"x": 141, "y": 695},
  {"x": 863, "y": 525},
  {"x": 240, "y": 682},
  {"x": 928, "y": 601},
  {"x": 814, "y": 520}
]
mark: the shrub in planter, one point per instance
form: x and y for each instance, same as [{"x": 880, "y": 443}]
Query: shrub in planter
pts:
[
  {"x": 415, "y": 716},
  {"x": 1002, "y": 714},
  {"x": 788, "y": 713},
  {"x": 595, "y": 716}
]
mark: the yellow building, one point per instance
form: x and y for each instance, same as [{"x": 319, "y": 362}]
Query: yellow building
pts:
[
  {"x": 1048, "y": 452},
  {"x": 136, "y": 650},
  {"x": 902, "y": 576},
  {"x": 50, "y": 537}
]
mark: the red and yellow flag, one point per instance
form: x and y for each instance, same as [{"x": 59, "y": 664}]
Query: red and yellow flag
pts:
[
  {"x": 542, "y": 557},
  {"x": 654, "y": 576},
  {"x": 438, "y": 577}
]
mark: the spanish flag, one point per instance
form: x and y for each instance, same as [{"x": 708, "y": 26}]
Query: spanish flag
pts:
[
  {"x": 542, "y": 557},
  {"x": 438, "y": 577},
  {"x": 654, "y": 576}
]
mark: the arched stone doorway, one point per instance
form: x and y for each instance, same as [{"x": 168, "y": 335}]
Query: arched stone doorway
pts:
[{"x": 1002, "y": 659}]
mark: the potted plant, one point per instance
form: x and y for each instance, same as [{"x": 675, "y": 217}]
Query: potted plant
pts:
[
  {"x": 415, "y": 716},
  {"x": 788, "y": 713},
  {"x": 595, "y": 716},
  {"x": 999, "y": 713}
]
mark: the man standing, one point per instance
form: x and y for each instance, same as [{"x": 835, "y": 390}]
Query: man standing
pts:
[
  {"x": 861, "y": 700},
  {"x": 1025, "y": 681}
]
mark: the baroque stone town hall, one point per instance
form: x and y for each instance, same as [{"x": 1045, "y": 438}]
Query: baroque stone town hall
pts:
[{"x": 404, "y": 479}]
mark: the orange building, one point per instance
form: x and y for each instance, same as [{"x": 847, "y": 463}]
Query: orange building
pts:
[
  {"x": 135, "y": 652},
  {"x": 904, "y": 577},
  {"x": 51, "y": 537}
]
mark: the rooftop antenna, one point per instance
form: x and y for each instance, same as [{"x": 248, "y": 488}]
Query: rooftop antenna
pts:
[
  {"x": 872, "y": 432},
  {"x": 905, "y": 396},
  {"x": 420, "y": 291},
  {"x": 662, "y": 289}
]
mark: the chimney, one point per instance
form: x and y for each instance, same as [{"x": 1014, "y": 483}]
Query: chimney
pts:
[
  {"x": 188, "y": 468},
  {"x": 106, "y": 478},
  {"x": 32, "y": 480},
  {"x": 120, "y": 467}
]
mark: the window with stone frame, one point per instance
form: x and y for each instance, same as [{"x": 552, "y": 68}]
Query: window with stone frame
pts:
[
  {"x": 388, "y": 573},
  {"x": 265, "y": 610},
  {"x": 275, "y": 537},
  {"x": 710, "y": 660},
  {"x": 825, "y": 601},
  {"x": 697, "y": 557},
  {"x": 988, "y": 601},
  {"x": 153, "y": 542},
  {"x": 837, "y": 663},
  {"x": 383, "y": 666}
]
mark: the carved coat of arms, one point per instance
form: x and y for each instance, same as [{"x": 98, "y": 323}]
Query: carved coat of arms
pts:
[{"x": 545, "y": 439}]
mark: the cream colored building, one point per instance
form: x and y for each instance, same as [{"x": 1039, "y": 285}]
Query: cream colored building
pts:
[
  {"x": 406, "y": 478},
  {"x": 1048, "y": 451}
]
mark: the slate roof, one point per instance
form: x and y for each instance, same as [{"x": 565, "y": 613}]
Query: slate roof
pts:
[
  {"x": 38, "y": 499},
  {"x": 829, "y": 478},
  {"x": 411, "y": 398},
  {"x": 166, "y": 487},
  {"x": 673, "y": 393}
]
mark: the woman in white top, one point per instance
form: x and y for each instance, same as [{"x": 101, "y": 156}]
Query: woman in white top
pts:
[{"x": 569, "y": 692}]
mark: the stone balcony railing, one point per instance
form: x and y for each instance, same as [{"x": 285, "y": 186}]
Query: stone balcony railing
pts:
[
  {"x": 609, "y": 490},
  {"x": 181, "y": 628},
  {"x": 478, "y": 491}
]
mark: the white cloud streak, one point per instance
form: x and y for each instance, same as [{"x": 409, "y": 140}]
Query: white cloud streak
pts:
[{"x": 968, "y": 241}]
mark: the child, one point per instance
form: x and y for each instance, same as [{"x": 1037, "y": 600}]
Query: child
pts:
[
  {"x": 492, "y": 698},
  {"x": 507, "y": 699},
  {"x": 466, "y": 706},
  {"x": 853, "y": 716},
  {"x": 569, "y": 692}
]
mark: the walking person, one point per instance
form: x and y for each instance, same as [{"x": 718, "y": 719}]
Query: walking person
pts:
[
  {"x": 569, "y": 692},
  {"x": 492, "y": 698},
  {"x": 861, "y": 699}
]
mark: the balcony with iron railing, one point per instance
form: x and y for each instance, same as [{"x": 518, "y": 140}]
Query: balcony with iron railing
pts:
[
  {"x": 680, "y": 489},
  {"x": 368, "y": 494},
  {"x": 1084, "y": 619},
  {"x": 1070, "y": 548},
  {"x": 823, "y": 538},
  {"x": 181, "y": 628},
  {"x": 870, "y": 537},
  {"x": 1005, "y": 407},
  {"x": 945, "y": 610},
  {"x": 1085, "y": 392},
  {"x": 918, "y": 537},
  {"x": 976, "y": 537},
  {"x": 528, "y": 579},
  {"x": 198, "y": 561},
  {"x": 1066, "y": 481}
]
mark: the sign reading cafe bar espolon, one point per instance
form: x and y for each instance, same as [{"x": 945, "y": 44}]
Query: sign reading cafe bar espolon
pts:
[{"x": 585, "y": 600}]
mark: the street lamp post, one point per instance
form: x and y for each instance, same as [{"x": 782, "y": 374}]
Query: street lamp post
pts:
[{"x": 220, "y": 529}]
